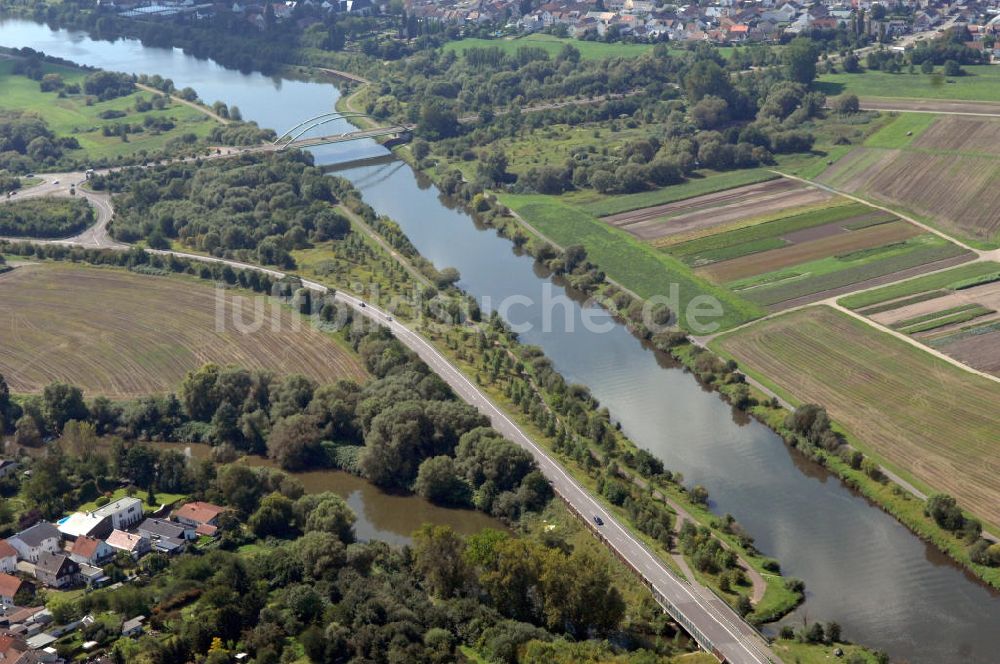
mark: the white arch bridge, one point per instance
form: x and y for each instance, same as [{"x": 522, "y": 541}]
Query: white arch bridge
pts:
[{"x": 295, "y": 137}]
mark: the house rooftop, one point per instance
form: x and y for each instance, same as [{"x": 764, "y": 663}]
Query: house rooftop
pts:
[
  {"x": 198, "y": 511},
  {"x": 38, "y": 533},
  {"x": 120, "y": 539},
  {"x": 80, "y": 523},
  {"x": 52, "y": 563},
  {"x": 117, "y": 506},
  {"x": 6, "y": 550},
  {"x": 9, "y": 585},
  {"x": 85, "y": 546}
]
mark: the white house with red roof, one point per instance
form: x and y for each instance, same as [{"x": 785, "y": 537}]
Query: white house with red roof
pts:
[
  {"x": 90, "y": 551},
  {"x": 203, "y": 517},
  {"x": 134, "y": 545},
  {"x": 8, "y": 557}
]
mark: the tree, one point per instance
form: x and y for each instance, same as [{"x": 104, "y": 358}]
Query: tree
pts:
[
  {"x": 580, "y": 596},
  {"x": 439, "y": 481},
  {"x": 846, "y": 104},
  {"x": 332, "y": 515},
  {"x": 140, "y": 465},
  {"x": 945, "y": 511},
  {"x": 321, "y": 554},
  {"x": 927, "y": 67},
  {"x": 437, "y": 121},
  {"x": 494, "y": 167},
  {"x": 437, "y": 553},
  {"x": 800, "y": 56},
  {"x": 851, "y": 64},
  {"x": 62, "y": 403},
  {"x": 952, "y": 68},
  {"x": 710, "y": 112},
  {"x": 48, "y": 486},
  {"x": 294, "y": 442},
  {"x": 706, "y": 78},
  {"x": 273, "y": 518}
]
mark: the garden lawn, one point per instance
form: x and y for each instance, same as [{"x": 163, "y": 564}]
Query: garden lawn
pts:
[{"x": 630, "y": 262}]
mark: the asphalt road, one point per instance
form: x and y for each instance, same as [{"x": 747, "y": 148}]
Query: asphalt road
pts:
[{"x": 710, "y": 620}]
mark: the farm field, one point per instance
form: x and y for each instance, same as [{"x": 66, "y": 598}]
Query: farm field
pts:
[
  {"x": 946, "y": 175},
  {"x": 634, "y": 264},
  {"x": 919, "y": 414},
  {"x": 71, "y": 116},
  {"x": 806, "y": 254},
  {"x": 954, "y": 312},
  {"x": 982, "y": 83},
  {"x": 123, "y": 335},
  {"x": 948, "y": 280},
  {"x": 706, "y": 182},
  {"x": 716, "y": 209}
]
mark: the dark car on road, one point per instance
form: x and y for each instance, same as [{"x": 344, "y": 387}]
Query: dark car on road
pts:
[{"x": 598, "y": 520}]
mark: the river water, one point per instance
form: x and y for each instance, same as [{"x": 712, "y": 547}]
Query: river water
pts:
[{"x": 885, "y": 587}]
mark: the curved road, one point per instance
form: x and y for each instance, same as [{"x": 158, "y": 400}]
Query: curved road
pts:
[{"x": 712, "y": 622}]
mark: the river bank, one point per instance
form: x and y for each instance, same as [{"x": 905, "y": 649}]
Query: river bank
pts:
[
  {"x": 874, "y": 483},
  {"x": 862, "y": 568}
]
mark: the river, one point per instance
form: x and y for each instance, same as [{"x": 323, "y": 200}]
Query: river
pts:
[{"x": 862, "y": 569}]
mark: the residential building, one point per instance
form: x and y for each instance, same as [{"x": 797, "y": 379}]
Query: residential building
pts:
[
  {"x": 85, "y": 524},
  {"x": 203, "y": 517},
  {"x": 166, "y": 536},
  {"x": 57, "y": 570},
  {"x": 133, "y": 627},
  {"x": 90, "y": 551},
  {"x": 124, "y": 512},
  {"x": 10, "y": 586},
  {"x": 132, "y": 544},
  {"x": 7, "y": 466},
  {"x": 93, "y": 577},
  {"x": 8, "y": 557},
  {"x": 32, "y": 542}
]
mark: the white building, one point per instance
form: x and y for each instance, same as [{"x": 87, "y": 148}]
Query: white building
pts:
[
  {"x": 34, "y": 541},
  {"x": 124, "y": 512}
]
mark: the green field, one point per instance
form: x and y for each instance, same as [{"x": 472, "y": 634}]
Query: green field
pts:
[
  {"x": 72, "y": 116},
  {"x": 833, "y": 272},
  {"x": 931, "y": 419},
  {"x": 707, "y": 182},
  {"x": 632, "y": 263},
  {"x": 949, "y": 279},
  {"x": 552, "y": 45},
  {"x": 982, "y": 83},
  {"x": 767, "y": 234},
  {"x": 894, "y": 134}
]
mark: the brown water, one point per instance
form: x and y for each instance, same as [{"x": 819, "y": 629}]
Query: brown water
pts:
[
  {"x": 863, "y": 569},
  {"x": 382, "y": 516}
]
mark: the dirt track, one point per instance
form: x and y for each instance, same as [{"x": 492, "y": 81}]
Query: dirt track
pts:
[
  {"x": 716, "y": 209},
  {"x": 931, "y": 106}
]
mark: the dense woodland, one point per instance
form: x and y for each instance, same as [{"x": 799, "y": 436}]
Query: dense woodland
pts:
[
  {"x": 710, "y": 119},
  {"x": 45, "y": 217},
  {"x": 256, "y": 207}
]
